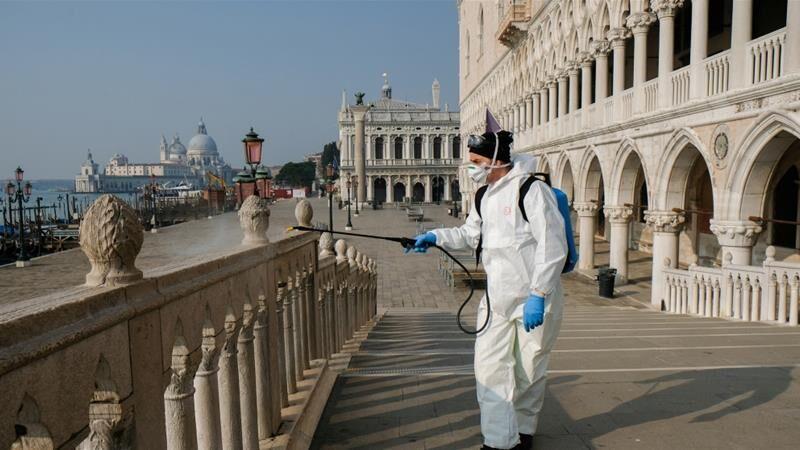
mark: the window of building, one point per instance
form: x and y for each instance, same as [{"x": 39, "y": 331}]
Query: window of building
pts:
[
  {"x": 417, "y": 147},
  {"x": 768, "y": 16},
  {"x": 379, "y": 148},
  {"x": 398, "y": 148},
  {"x": 457, "y": 147},
  {"x": 437, "y": 148},
  {"x": 480, "y": 33}
]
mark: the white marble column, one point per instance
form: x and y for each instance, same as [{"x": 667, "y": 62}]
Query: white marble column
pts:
[
  {"x": 515, "y": 114},
  {"x": 665, "y": 225},
  {"x": 572, "y": 72},
  {"x": 618, "y": 218},
  {"x": 736, "y": 237},
  {"x": 587, "y": 222},
  {"x": 698, "y": 48},
  {"x": 553, "y": 98},
  {"x": 369, "y": 182},
  {"x": 529, "y": 111},
  {"x": 586, "y": 83},
  {"x": 428, "y": 190},
  {"x": 640, "y": 23},
  {"x": 617, "y": 37},
  {"x": 447, "y": 181},
  {"x": 389, "y": 189},
  {"x": 741, "y": 32},
  {"x": 666, "y": 9},
  {"x": 537, "y": 109},
  {"x": 600, "y": 51},
  {"x": 545, "y": 103},
  {"x": 562, "y": 93},
  {"x": 359, "y": 111}
]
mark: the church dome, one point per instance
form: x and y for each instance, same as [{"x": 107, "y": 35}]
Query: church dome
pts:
[
  {"x": 202, "y": 144},
  {"x": 177, "y": 148}
]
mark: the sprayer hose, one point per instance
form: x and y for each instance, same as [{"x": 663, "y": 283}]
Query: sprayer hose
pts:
[{"x": 469, "y": 297}]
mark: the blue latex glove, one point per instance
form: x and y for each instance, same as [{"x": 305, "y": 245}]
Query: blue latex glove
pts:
[
  {"x": 423, "y": 241},
  {"x": 533, "y": 312}
]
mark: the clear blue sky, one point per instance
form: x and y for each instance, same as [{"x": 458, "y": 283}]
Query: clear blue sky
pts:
[{"x": 113, "y": 76}]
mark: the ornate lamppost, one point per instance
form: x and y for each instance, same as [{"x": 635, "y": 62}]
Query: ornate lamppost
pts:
[
  {"x": 252, "y": 155},
  {"x": 20, "y": 194},
  {"x": 355, "y": 189},
  {"x": 349, "y": 201}
]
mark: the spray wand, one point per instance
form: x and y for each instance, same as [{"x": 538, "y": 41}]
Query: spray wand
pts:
[{"x": 408, "y": 244}]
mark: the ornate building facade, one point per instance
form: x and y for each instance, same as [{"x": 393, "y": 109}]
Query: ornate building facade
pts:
[
  {"x": 672, "y": 125},
  {"x": 177, "y": 165},
  {"x": 411, "y": 151}
]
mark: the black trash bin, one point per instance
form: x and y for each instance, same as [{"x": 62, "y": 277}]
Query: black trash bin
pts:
[{"x": 605, "y": 281}]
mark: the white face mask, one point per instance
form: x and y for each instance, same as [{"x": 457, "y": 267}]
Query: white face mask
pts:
[{"x": 479, "y": 173}]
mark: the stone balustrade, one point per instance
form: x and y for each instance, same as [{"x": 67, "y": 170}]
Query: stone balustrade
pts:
[
  {"x": 751, "y": 293},
  {"x": 205, "y": 356}
]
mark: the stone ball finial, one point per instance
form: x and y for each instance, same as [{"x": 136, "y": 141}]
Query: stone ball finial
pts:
[
  {"x": 341, "y": 250},
  {"x": 351, "y": 255},
  {"x": 325, "y": 245},
  {"x": 111, "y": 237},
  {"x": 254, "y": 220},
  {"x": 770, "y": 254},
  {"x": 303, "y": 213},
  {"x": 728, "y": 258}
]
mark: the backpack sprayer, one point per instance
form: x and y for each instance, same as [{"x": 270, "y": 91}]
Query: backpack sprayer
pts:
[{"x": 408, "y": 244}]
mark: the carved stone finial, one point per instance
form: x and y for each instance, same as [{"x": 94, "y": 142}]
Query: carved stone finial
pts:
[
  {"x": 180, "y": 385},
  {"x": 303, "y": 213},
  {"x": 325, "y": 245},
  {"x": 351, "y": 256},
  {"x": 341, "y": 250},
  {"x": 111, "y": 237},
  {"x": 254, "y": 220},
  {"x": 770, "y": 254},
  {"x": 728, "y": 258}
]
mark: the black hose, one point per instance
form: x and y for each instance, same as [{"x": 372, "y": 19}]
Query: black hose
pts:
[{"x": 408, "y": 244}]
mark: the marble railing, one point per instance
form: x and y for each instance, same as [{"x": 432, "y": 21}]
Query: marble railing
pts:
[
  {"x": 765, "y": 57},
  {"x": 717, "y": 71},
  {"x": 183, "y": 357},
  {"x": 751, "y": 293}
]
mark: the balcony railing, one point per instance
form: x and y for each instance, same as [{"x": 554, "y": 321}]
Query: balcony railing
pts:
[
  {"x": 765, "y": 57},
  {"x": 514, "y": 23},
  {"x": 627, "y": 103},
  {"x": 680, "y": 82},
  {"x": 717, "y": 70},
  {"x": 650, "y": 90},
  {"x": 406, "y": 162}
]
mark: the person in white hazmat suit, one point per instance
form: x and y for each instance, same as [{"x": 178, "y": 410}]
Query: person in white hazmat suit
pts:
[{"x": 523, "y": 262}]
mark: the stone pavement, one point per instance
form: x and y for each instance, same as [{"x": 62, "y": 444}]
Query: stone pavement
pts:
[{"x": 621, "y": 376}]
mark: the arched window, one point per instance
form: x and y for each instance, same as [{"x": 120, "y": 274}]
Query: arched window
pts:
[
  {"x": 457, "y": 147},
  {"x": 417, "y": 147},
  {"x": 379, "y": 148},
  {"x": 466, "y": 53},
  {"x": 398, "y": 148},
  {"x": 480, "y": 33},
  {"x": 437, "y": 148}
]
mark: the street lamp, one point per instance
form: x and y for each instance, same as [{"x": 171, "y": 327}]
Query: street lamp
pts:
[
  {"x": 20, "y": 194},
  {"x": 329, "y": 173},
  {"x": 355, "y": 191},
  {"x": 252, "y": 153},
  {"x": 349, "y": 222},
  {"x": 154, "y": 195}
]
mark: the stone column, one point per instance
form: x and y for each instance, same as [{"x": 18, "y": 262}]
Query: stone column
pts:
[
  {"x": 587, "y": 222},
  {"x": 600, "y": 51},
  {"x": 699, "y": 48},
  {"x": 447, "y": 181},
  {"x": 666, "y": 47},
  {"x": 515, "y": 112},
  {"x": 544, "y": 101},
  {"x": 562, "y": 94},
  {"x": 428, "y": 190},
  {"x": 639, "y": 24},
  {"x": 736, "y": 237},
  {"x": 553, "y": 98},
  {"x": 617, "y": 37},
  {"x": 792, "y": 47},
  {"x": 572, "y": 71},
  {"x": 359, "y": 111},
  {"x": 618, "y": 217},
  {"x": 389, "y": 189},
  {"x": 666, "y": 225},
  {"x": 586, "y": 82},
  {"x": 529, "y": 105},
  {"x": 741, "y": 32}
]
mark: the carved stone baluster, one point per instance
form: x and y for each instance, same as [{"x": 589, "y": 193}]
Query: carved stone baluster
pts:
[
  {"x": 667, "y": 292},
  {"x": 105, "y": 411},
  {"x": 301, "y": 322},
  {"x": 709, "y": 293},
  {"x": 31, "y": 433},
  {"x": 206, "y": 397},
  {"x": 715, "y": 306},
  {"x": 263, "y": 373},
  {"x": 782, "y": 298},
  {"x": 228, "y": 380},
  {"x": 793, "y": 307},
  {"x": 320, "y": 331},
  {"x": 693, "y": 295},
  {"x": 755, "y": 307},
  {"x": 737, "y": 298},
  {"x": 297, "y": 327},
  {"x": 746, "y": 291},
  {"x": 284, "y": 382},
  {"x": 288, "y": 337},
  {"x": 312, "y": 336},
  {"x": 684, "y": 297},
  {"x": 178, "y": 401},
  {"x": 772, "y": 294},
  {"x": 247, "y": 380}
]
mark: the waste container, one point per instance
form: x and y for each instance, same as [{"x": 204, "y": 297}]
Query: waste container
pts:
[{"x": 605, "y": 281}]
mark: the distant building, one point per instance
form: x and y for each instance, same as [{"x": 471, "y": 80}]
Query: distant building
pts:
[
  {"x": 178, "y": 165},
  {"x": 411, "y": 150}
]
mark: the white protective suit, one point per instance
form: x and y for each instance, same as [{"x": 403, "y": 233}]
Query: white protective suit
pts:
[{"x": 520, "y": 258}]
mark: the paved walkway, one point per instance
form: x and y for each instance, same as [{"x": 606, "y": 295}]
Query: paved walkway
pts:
[{"x": 621, "y": 376}]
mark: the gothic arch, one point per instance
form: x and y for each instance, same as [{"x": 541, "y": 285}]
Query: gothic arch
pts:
[
  {"x": 627, "y": 162},
  {"x": 674, "y": 166},
  {"x": 757, "y": 157},
  {"x": 590, "y": 176}
]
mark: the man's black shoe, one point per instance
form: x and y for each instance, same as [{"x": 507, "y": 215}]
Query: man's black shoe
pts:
[{"x": 525, "y": 442}]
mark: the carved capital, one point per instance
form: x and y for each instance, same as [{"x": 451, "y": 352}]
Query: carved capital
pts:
[
  {"x": 585, "y": 59},
  {"x": 617, "y": 36},
  {"x": 111, "y": 237},
  {"x": 586, "y": 209},
  {"x": 325, "y": 245},
  {"x": 341, "y": 251},
  {"x": 665, "y": 8},
  {"x": 640, "y": 22},
  {"x": 736, "y": 233},
  {"x": 664, "y": 221},
  {"x": 618, "y": 214},
  {"x": 303, "y": 213},
  {"x": 600, "y": 48},
  {"x": 254, "y": 220}
]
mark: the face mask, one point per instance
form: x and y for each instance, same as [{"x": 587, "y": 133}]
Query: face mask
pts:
[{"x": 477, "y": 173}]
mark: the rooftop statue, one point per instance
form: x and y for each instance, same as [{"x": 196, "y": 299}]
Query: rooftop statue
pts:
[{"x": 360, "y": 98}]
